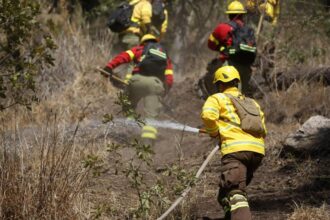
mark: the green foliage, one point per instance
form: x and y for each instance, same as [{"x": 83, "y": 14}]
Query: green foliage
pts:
[
  {"x": 183, "y": 178},
  {"x": 25, "y": 51},
  {"x": 126, "y": 106},
  {"x": 93, "y": 163}
]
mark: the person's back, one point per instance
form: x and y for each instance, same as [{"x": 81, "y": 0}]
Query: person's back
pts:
[
  {"x": 141, "y": 17},
  {"x": 242, "y": 151},
  {"x": 147, "y": 84},
  {"x": 227, "y": 39}
]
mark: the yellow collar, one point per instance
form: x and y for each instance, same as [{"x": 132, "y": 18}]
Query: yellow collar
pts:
[
  {"x": 133, "y": 2},
  {"x": 233, "y": 91}
]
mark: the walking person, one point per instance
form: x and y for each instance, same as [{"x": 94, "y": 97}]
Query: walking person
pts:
[
  {"x": 236, "y": 43},
  {"x": 238, "y": 122}
]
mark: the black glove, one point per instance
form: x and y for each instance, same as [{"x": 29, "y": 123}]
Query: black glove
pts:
[{"x": 107, "y": 70}]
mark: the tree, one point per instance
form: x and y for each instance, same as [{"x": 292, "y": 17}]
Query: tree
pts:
[{"x": 25, "y": 49}]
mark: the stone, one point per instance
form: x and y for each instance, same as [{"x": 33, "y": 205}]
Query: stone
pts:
[{"x": 312, "y": 137}]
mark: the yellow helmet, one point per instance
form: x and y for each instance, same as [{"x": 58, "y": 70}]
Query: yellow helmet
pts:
[
  {"x": 226, "y": 74},
  {"x": 268, "y": 8},
  {"x": 148, "y": 37},
  {"x": 236, "y": 7},
  {"x": 251, "y": 5}
]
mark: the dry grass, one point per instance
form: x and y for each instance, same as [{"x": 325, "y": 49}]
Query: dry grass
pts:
[
  {"x": 42, "y": 174},
  {"x": 303, "y": 212},
  {"x": 297, "y": 104}
]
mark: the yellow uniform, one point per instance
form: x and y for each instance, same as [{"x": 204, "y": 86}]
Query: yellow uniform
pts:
[
  {"x": 219, "y": 116},
  {"x": 271, "y": 8},
  {"x": 141, "y": 16},
  {"x": 163, "y": 29}
]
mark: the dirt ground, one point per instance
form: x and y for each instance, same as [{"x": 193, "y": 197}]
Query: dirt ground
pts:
[{"x": 278, "y": 185}]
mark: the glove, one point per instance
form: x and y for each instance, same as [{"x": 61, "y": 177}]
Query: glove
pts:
[
  {"x": 215, "y": 135},
  {"x": 108, "y": 70}
]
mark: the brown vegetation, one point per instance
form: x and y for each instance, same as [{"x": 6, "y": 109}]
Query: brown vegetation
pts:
[{"x": 59, "y": 162}]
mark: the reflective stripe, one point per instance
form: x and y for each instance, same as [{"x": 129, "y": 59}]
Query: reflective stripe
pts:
[
  {"x": 131, "y": 54},
  {"x": 248, "y": 48},
  {"x": 230, "y": 112},
  {"x": 128, "y": 77},
  {"x": 210, "y": 109},
  {"x": 149, "y": 135},
  {"x": 239, "y": 205},
  {"x": 148, "y": 128},
  {"x": 213, "y": 39},
  {"x": 232, "y": 51},
  {"x": 168, "y": 72},
  {"x": 226, "y": 128},
  {"x": 158, "y": 53},
  {"x": 135, "y": 20},
  {"x": 149, "y": 132},
  {"x": 238, "y": 197},
  {"x": 244, "y": 143}
]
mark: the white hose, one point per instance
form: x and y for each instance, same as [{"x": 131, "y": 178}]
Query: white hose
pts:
[{"x": 186, "y": 191}]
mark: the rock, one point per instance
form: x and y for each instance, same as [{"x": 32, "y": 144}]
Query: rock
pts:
[{"x": 313, "y": 137}]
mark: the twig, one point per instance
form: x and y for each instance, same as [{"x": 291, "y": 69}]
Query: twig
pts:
[{"x": 186, "y": 191}]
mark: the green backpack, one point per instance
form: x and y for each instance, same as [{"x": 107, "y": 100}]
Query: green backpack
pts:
[{"x": 249, "y": 114}]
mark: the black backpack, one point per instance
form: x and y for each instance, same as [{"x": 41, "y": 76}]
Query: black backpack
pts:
[
  {"x": 153, "y": 61},
  {"x": 120, "y": 18},
  {"x": 158, "y": 14},
  {"x": 243, "y": 49}
]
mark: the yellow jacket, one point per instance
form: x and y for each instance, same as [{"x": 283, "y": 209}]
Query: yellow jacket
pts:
[
  {"x": 219, "y": 116},
  {"x": 165, "y": 23},
  {"x": 271, "y": 7},
  {"x": 141, "y": 16}
]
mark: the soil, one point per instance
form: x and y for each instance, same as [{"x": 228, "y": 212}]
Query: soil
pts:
[{"x": 278, "y": 184}]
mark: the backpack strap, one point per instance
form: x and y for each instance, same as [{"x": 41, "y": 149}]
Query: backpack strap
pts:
[
  {"x": 233, "y": 24},
  {"x": 250, "y": 111}
]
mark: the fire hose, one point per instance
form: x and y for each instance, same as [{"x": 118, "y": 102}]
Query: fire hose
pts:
[{"x": 186, "y": 191}]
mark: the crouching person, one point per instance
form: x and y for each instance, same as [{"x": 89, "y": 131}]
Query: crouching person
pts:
[
  {"x": 152, "y": 78},
  {"x": 239, "y": 124}
]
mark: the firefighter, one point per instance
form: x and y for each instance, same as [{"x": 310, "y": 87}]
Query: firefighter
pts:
[
  {"x": 222, "y": 40},
  {"x": 142, "y": 22},
  {"x": 152, "y": 78},
  {"x": 241, "y": 151},
  {"x": 271, "y": 8}
]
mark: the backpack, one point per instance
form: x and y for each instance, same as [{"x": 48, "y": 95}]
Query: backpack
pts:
[
  {"x": 153, "y": 61},
  {"x": 158, "y": 14},
  {"x": 249, "y": 114},
  {"x": 243, "y": 49},
  {"x": 120, "y": 19}
]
